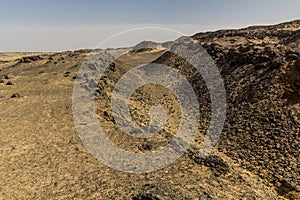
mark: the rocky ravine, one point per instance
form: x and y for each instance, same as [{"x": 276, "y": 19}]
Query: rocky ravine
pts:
[{"x": 257, "y": 157}]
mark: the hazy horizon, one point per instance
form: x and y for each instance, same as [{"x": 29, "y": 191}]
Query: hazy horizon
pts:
[{"x": 40, "y": 26}]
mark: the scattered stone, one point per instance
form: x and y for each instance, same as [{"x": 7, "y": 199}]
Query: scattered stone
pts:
[
  {"x": 261, "y": 130},
  {"x": 112, "y": 67},
  {"x": 9, "y": 83},
  {"x": 76, "y": 77},
  {"x": 217, "y": 165},
  {"x": 28, "y": 59},
  {"x": 289, "y": 185},
  {"x": 107, "y": 116},
  {"x": 16, "y": 95},
  {"x": 105, "y": 113},
  {"x": 145, "y": 197},
  {"x": 260, "y": 66},
  {"x": 92, "y": 66},
  {"x": 204, "y": 196},
  {"x": 145, "y": 147},
  {"x": 284, "y": 187},
  {"x": 66, "y": 74},
  {"x": 292, "y": 56}
]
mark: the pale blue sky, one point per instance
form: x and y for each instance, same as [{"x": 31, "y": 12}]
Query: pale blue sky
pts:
[{"x": 57, "y": 25}]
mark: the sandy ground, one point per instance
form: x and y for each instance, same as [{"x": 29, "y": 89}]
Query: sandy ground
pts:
[{"x": 42, "y": 157}]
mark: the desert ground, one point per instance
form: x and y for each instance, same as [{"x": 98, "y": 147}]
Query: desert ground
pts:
[{"x": 257, "y": 156}]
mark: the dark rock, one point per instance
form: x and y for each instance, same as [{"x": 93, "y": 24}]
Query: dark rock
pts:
[
  {"x": 204, "y": 196},
  {"x": 66, "y": 74},
  {"x": 284, "y": 187},
  {"x": 76, "y": 77},
  {"x": 112, "y": 67},
  {"x": 289, "y": 185},
  {"x": 217, "y": 165},
  {"x": 9, "y": 83},
  {"x": 146, "y": 147},
  {"x": 107, "y": 116},
  {"x": 85, "y": 75},
  {"x": 16, "y": 95},
  {"x": 29, "y": 59},
  {"x": 105, "y": 113},
  {"x": 92, "y": 67},
  {"x": 275, "y": 64},
  {"x": 260, "y": 66},
  {"x": 1, "y": 81},
  {"x": 292, "y": 56},
  {"x": 145, "y": 197}
]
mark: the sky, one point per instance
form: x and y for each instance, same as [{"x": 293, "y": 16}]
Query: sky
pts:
[{"x": 59, "y": 25}]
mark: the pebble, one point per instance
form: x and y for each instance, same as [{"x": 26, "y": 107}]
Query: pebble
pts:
[
  {"x": 9, "y": 83},
  {"x": 16, "y": 95}
]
